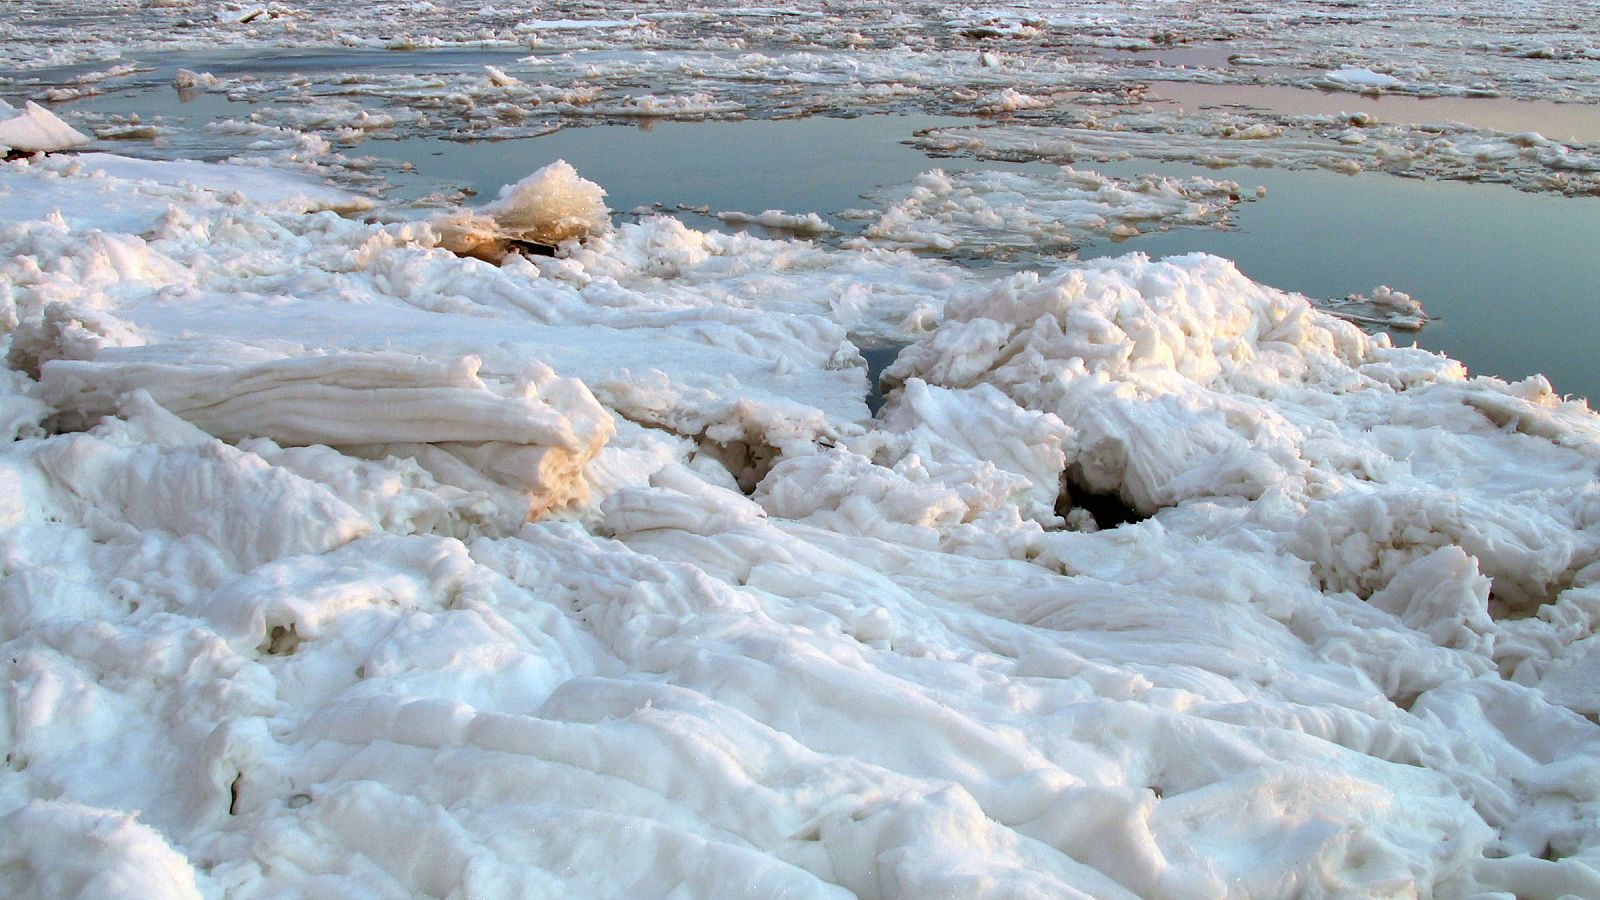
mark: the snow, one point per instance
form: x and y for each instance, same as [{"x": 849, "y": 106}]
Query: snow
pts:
[{"x": 345, "y": 557}]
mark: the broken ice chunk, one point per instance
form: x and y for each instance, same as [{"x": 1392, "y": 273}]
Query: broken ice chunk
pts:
[
  {"x": 532, "y": 437},
  {"x": 1385, "y": 307},
  {"x": 35, "y": 130},
  {"x": 546, "y": 208}
]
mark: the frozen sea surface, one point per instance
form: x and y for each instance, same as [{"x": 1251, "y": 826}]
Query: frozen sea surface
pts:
[{"x": 351, "y": 546}]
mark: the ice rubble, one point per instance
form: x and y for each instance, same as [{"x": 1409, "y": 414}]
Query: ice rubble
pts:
[
  {"x": 1455, "y": 47},
  {"x": 530, "y": 74},
  {"x": 778, "y": 220},
  {"x": 1385, "y": 306},
  {"x": 1348, "y": 144},
  {"x": 995, "y": 211},
  {"x": 273, "y": 620}
]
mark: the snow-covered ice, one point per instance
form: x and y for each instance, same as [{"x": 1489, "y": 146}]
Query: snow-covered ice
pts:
[{"x": 341, "y": 557}]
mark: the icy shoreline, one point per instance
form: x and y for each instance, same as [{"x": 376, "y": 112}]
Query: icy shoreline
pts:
[{"x": 782, "y": 647}]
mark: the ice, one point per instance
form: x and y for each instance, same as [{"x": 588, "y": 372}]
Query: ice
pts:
[
  {"x": 537, "y": 25},
  {"x": 1010, "y": 100},
  {"x": 1385, "y": 305},
  {"x": 916, "y": 663},
  {"x": 991, "y": 212},
  {"x": 336, "y": 563},
  {"x": 1357, "y": 79},
  {"x": 808, "y": 223},
  {"x": 549, "y": 207},
  {"x": 35, "y": 130},
  {"x": 187, "y": 79},
  {"x": 1347, "y": 144},
  {"x": 691, "y": 64}
]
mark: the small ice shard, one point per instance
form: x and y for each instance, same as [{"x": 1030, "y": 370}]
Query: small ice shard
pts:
[
  {"x": 1010, "y": 100},
  {"x": 499, "y": 78},
  {"x": 546, "y": 208},
  {"x": 187, "y": 79},
  {"x": 1351, "y": 78},
  {"x": 806, "y": 223},
  {"x": 36, "y": 130},
  {"x": 241, "y": 15},
  {"x": 1385, "y": 307}
]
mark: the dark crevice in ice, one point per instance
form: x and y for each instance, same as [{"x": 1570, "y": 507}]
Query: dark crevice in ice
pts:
[
  {"x": 281, "y": 641},
  {"x": 529, "y": 248},
  {"x": 1108, "y": 509},
  {"x": 879, "y": 358},
  {"x": 1513, "y": 598},
  {"x": 747, "y": 462}
]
